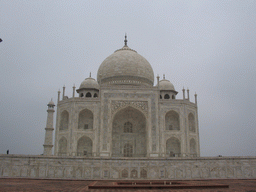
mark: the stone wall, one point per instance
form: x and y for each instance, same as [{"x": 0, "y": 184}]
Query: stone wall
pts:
[{"x": 29, "y": 166}]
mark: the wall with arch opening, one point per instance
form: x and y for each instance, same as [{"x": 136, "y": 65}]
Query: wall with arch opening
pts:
[
  {"x": 85, "y": 120},
  {"x": 64, "y": 120},
  {"x": 129, "y": 133},
  {"x": 172, "y": 121}
]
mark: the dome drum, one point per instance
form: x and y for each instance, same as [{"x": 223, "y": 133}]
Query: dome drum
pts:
[{"x": 126, "y": 80}]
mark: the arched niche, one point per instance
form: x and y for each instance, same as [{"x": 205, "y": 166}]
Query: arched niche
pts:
[
  {"x": 172, "y": 121},
  {"x": 85, "y": 120},
  {"x": 129, "y": 133},
  {"x": 124, "y": 173},
  {"x": 134, "y": 173},
  {"x": 173, "y": 147},
  {"x": 84, "y": 146},
  {"x": 191, "y": 122},
  {"x": 143, "y": 173},
  {"x": 88, "y": 94},
  {"x": 166, "y": 96},
  {"x": 62, "y": 147},
  {"x": 192, "y": 145},
  {"x": 64, "y": 120}
]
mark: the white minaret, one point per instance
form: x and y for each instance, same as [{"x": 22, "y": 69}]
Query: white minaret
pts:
[{"x": 49, "y": 129}]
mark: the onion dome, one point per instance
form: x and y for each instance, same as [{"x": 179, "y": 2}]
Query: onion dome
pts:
[
  {"x": 166, "y": 85},
  {"x": 89, "y": 83},
  {"x": 125, "y": 67},
  {"x": 51, "y": 104}
]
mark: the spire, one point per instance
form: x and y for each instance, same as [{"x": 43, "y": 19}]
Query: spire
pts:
[{"x": 125, "y": 40}]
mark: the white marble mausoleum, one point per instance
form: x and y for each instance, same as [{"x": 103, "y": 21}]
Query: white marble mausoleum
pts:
[
  {"x": 124, "y": 114},
  {"x": 124, "y": 126}
]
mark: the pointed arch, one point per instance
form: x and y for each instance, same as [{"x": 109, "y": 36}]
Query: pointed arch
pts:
[
  {"x": 95, "y": 95},
  {"x": 129, "y": 127},
  {"x": 172, "y": 121},
  {"x": 124, "y": 173},
  {"x": 85, "y": 119},
  {"x": 192, "y": 145},
  {"x": 166, "y": 96},
  {"x": 134, "y": 173},
  {"x": 62, "y": 147},
  {"x": 191, "y": 122},
  {"x": 88, "y": 94},
  {"x": 64, "y": 120},
  {"x": 173, "y": 147},
  {"x": 84, "y": 146},
  {"x": 143, "y": 173}
]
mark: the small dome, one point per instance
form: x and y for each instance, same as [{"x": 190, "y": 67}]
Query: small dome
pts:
[
  {"x": 166, "y": 85},
  {"x": 126, "y": 66},
  {"x": 51, "y": 103},
  {"x": 89, "y": 83}
]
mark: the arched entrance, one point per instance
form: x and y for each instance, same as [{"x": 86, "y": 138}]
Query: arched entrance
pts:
[
  {"x": 129, "y": 133},
  {"x": 84, "y": 146},
  {"x": 173, "y": 147}
]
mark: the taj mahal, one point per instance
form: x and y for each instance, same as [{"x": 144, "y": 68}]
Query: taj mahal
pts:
[
  {"x": 123, "y": 114},
  {"x": 124, "y": 126}
]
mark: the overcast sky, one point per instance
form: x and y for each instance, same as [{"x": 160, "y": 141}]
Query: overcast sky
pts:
[{"x": 206, "y": 46}]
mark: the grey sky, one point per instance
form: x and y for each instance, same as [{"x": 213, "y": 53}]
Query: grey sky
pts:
[{"x": 207, "y": 46}]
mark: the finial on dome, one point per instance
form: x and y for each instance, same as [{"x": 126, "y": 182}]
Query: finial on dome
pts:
[
  {"x": 164, "y": 76},
  {"x": 125, "y": 40},
  {"x": 90, "y": 74}
]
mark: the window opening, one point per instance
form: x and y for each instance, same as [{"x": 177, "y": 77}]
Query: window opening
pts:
[
  {"x": 134, "y": 173},
  {"x": 124, "y": 173},
  {"x": 88, "y": 94},
  {"x": 166, "y": 96},
  {"x": 95, "y": 95},
  {"x": 127, "y": 127},
  {"x": 86, "y": 126},
  {"x": 143, "y": 173},
  {"x": 128, "y": 150}
]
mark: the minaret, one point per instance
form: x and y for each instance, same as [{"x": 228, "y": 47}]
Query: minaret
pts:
[
  {"x": 188, "y": 93},
  {"x": 183, "y": 90},
  {"x": 157, "y": 80},
  {"x": 195, "y": 98},
  {"x": 49, "y": 129},
  {"x": 74, "y": 90}
]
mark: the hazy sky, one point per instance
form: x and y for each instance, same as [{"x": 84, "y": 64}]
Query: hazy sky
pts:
[{"x": 206, "y": 46}]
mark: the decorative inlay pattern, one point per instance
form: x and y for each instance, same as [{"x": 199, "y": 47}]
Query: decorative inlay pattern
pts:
[{"x": 143, "y": 105}]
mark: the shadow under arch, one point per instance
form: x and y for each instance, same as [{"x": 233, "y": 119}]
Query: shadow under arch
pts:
[
  {"x": 85, "y": 119},
  {"x": 62, "y": 146},
  {"x": 172, "y": 120},
  {"x": 84, "y": 146},
  {"x": 136, "y": 137},
  {"x": 173, "y": 147},
  {"x": 64, "y": 120}
]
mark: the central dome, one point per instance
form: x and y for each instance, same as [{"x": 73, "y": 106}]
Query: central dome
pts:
[{"x": 125, "y": 67}]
